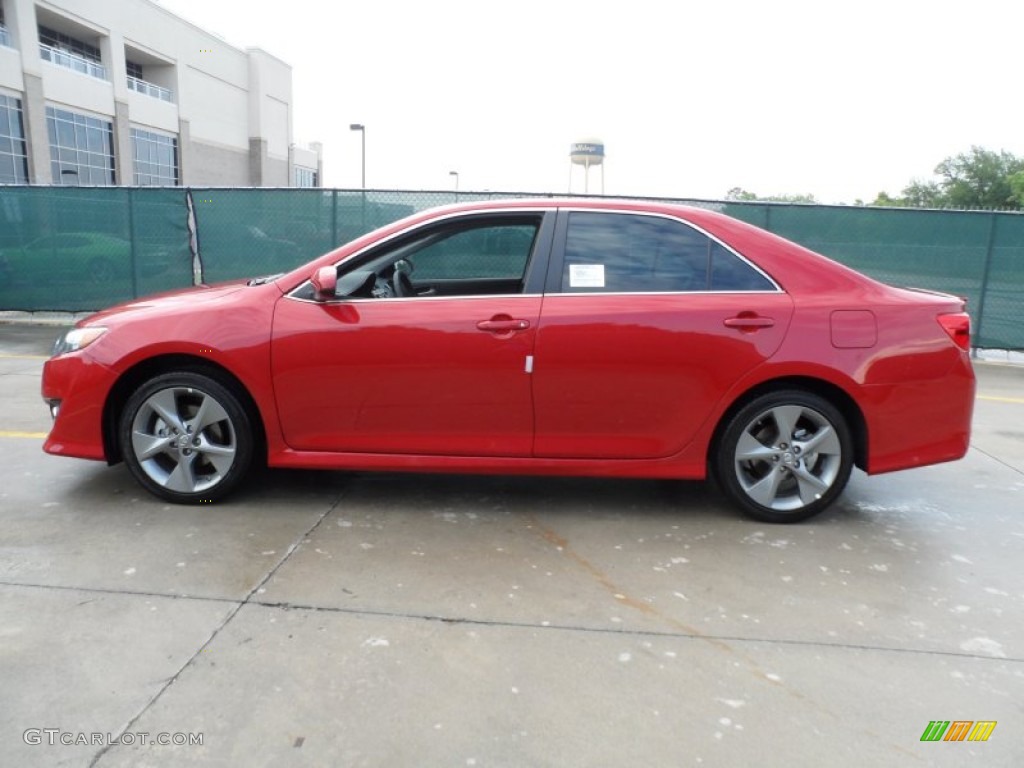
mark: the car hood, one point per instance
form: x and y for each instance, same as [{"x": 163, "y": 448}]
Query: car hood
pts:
[{"x": 169, "y": 301}]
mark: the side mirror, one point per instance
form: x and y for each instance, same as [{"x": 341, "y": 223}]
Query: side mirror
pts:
[{"x": 325, "y": 283}]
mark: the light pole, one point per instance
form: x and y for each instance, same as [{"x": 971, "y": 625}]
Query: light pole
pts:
[
  {"x": 456, "y": 175},
  {"x": 362, "y": 133},
  {"x": 362, "y": 130}
]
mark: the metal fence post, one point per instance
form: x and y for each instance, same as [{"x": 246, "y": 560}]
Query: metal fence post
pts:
[
  {"x": 984, "y": 277},
  {"x": 334, "y": 220},
  {"x": 131, "y": 243}
]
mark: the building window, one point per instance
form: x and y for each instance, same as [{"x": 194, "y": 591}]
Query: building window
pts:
[
  {"x": 156, "y": 159},
  {"x": 5, "y": 36},
  {"x": 69, "y": 44},
  {"x": 13, "y": 157},
  {"x": 66, "y": 51},
  {"x": 81, "y": 148},
  {"x": 134, "y": 70},
  {"x": 306, "y": 177}
]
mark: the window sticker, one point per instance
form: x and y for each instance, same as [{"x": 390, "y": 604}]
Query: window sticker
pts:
[{"x": 586, "y": 275}]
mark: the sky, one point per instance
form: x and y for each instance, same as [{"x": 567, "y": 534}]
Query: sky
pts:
[{"x": 691, "y": 99}]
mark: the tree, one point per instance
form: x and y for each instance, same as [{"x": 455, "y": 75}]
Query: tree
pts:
[
  {"x": 924, "y": 194},
  {"x": 1017, "y": 187},
  {"x": 980, "y": 178},
  {"x": 741, "y": 195}
]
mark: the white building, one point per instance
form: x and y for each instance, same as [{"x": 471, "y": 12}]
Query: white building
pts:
[{"x": 125, "y": 92}]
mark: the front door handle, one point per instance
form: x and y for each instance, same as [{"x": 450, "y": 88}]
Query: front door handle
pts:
[
  {"x": 748, "y": 321},
  {"x": 503, "y": 325}
]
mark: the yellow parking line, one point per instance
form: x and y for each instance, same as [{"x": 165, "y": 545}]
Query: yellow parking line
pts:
[
  {"x": 995, "y": 399},
  {"x": 15, "y": 433},
  {"x": 24, "y": 357}
]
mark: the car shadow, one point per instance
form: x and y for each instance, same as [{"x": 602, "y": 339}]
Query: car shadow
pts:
[
  {"x": 606, "y": 498},
  {"x": 548, "y": 495}
]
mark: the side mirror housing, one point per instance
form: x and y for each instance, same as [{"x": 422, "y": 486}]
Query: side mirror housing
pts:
[{"x": 325, "y": 283}]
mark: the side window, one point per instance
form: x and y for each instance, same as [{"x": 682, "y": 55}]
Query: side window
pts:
[
  {"x": 731, "y": 273},
  {"x": 497, "y": 251},
  {"x": 615, "y": 252},
  {"x": 474, "y": 255},
  {"x": 625, "y": 253}
]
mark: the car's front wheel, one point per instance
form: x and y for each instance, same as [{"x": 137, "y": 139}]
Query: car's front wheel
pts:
[
  {"x": 785, "y": 456},
  {"x": 186, "y": 437}
]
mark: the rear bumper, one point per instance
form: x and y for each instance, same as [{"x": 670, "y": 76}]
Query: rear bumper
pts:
[
  {"x": 81, "y": 385},
  {"x": 917, "y": 423}
]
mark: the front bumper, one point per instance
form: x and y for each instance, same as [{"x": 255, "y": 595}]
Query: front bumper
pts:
[{"x": 75, "y": 387}]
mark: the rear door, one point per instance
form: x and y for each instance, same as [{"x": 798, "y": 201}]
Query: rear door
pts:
[{"x": 646, "y": 322}]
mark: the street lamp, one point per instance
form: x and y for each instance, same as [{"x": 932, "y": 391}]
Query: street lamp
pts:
[
  {"x": 362, "y": 130},
  {"x": 456, "y": 175}
]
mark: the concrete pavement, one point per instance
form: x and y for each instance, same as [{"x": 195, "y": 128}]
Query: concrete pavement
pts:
[{"x": 336, "y": 619}]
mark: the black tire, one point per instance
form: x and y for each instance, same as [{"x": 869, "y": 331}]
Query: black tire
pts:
[
  {"x": 785, "y": 456},
  {"x": 218, "y": 447}
]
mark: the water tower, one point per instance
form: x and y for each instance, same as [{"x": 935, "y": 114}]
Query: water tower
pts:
[{"x": 586, "y": 152}]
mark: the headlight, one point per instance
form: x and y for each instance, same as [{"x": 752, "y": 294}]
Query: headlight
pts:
[{"x": 76, "y": 339}]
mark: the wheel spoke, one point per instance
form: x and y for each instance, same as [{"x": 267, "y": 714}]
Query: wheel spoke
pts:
[
  {"x": 147, "y": 446},
  {"x": 825, "y": 440},
  {"x": 750, "y": 448},
  {"x": 766, "y": 489},
  {"x": 221, "y": 456},
  {"x": 210, "y": 412},
  {"x": 182, "y": 479},
  {"x": 811, "y": 487},
  {"x": 786, "y": 417},
  {"x": 165, "y": 404}
]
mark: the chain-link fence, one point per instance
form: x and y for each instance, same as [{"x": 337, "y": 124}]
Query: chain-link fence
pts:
[{"x": 86, "y": 248}]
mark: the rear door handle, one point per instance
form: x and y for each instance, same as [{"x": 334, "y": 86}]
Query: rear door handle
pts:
[
  {"x": 497, "y": 325},
  {"x": 748, "y": 322}
]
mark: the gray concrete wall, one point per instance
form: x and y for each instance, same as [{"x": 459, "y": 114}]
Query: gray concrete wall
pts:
[
  {"x": 215, "y": 166},
  {"x": 264, "y": 170},
  {"x": 257, "y": 151},
  {"x": 124, "y": 158},
  {"x": 184, "y": 160},
  {"x": 275, "y": 173},
  {"x": 38, "y": 142}
]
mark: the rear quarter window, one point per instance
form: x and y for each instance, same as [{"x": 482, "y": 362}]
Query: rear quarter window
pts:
[{"x": 731, "y": 273}]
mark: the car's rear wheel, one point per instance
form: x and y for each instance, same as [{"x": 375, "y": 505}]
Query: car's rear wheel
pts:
[
  {"x": 101, "y": 271},
  {"x": 785, "y": 456},
  {"x": 186, "y": 437}
]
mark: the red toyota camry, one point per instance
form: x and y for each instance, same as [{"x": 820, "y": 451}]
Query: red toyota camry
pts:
[{"x": 626, "y": 339}]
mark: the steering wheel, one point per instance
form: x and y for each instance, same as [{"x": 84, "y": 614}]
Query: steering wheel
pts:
[{"x": 402, "y": 284}]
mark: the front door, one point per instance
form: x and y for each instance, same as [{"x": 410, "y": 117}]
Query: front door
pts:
[{"x": 431, "y": 356}]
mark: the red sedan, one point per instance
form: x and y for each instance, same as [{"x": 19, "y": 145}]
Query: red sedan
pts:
[{"x": 625, "y": 339}]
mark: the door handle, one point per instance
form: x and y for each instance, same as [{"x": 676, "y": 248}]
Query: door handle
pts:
[
  {"x": 748, "y": 322},
  {"x": 503, "y": 325}
]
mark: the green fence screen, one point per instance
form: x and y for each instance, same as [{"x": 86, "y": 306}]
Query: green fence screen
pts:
[{"x": 86, "y": 248}]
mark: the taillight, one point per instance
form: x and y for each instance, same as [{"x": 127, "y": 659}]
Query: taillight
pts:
[{"x": 958, "y": 326}]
